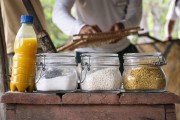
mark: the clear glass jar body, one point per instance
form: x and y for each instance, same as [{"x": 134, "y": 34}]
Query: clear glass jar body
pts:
[
  {"x": 56, "y": 72},
  {"x": 143, "y": 72},
  {"x": 100, "y": 72}
]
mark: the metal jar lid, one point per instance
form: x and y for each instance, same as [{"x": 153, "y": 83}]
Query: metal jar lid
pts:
[
  {"x": 155, "y": 58},
  {"x": 56, "y": 59},
  {"x": 100, "y": 59}
]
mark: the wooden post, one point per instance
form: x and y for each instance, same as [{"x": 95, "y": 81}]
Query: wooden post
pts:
[
  {"x": 3, "y": 59},
  {"x": 43, "y": 37},
  {"x": 3, "y": 67}
]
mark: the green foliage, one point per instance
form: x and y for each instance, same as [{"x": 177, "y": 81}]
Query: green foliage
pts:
[
  {"x": 57, "y": 36},
  {"x": 156, "y": 11}
]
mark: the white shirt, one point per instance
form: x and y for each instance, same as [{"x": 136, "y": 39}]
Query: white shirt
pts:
[
  {"x": 174, "y": 10},
  {"x": 103, "y": 13}
]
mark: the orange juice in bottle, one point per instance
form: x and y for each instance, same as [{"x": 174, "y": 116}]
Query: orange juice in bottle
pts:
[{"x": 25, "y": 47}]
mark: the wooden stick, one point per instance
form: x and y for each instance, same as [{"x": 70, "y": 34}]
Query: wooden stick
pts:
[
  {"x": 91, "y": 40},
  {"x": 102, "y": 36},
  {"x": 43, "y": 37},
  {"x": 99, "y": 33}
]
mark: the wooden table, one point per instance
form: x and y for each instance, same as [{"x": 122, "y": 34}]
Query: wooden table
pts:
[{"x": 90, "y": 106}]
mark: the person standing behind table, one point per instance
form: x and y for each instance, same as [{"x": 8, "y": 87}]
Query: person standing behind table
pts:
[
  {"x": 173, "y": 15},
  {"x": 11, "y": 13},
  {"x": 92, "y": 16}
]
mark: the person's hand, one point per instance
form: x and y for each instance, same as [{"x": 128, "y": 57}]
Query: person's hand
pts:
[
  {"x": 87, "y": 29},
  {"x": 117, "y": 27}
]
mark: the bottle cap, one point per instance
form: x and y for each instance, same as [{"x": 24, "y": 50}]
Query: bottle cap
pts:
[{"x": 26, "y": 19}]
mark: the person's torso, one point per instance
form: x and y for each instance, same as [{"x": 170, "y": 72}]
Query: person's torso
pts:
[{"x": 103, "y": 13}]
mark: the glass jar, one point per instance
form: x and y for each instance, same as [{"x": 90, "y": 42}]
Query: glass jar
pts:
[
  {"x": 100, "y": 72},
  {"x": 56, "y": 72},
  {"x": 143, "y": 72}
]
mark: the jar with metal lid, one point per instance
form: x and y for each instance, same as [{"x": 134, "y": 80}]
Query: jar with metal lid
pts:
[
  {"x": 100, "y": 72},
  {"x": 56, "y": 72},
  {"x": 143, "y": 72}
]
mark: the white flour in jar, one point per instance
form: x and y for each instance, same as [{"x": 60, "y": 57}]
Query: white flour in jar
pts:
[
  {"x": 104, "y": 79},
  {"x": 58, "y": 83}
]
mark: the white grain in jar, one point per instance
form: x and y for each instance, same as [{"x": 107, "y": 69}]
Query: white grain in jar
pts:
[
  {"x": 100, "y": 71},
  {"x": 56, "y": 72},
  {"x": 104, "y": 79}
]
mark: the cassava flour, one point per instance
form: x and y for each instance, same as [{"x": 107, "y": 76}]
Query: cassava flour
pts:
[
  {"x": 58, "y": 83},
  {"x": 104, "y": 79}
]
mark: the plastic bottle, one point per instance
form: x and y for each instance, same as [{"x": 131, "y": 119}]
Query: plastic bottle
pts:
[{"x": 25, "y": 47}]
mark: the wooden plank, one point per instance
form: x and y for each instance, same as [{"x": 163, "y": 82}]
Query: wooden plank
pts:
[
  {"x": 30, "y": 98},
  {"x": 10, "y": 112},
  {"x": 170, "y": 112},
  {"x": 88, "y": 112},
  {"x": 149, "y": 98},
  {"x": 90, "y": 98}
]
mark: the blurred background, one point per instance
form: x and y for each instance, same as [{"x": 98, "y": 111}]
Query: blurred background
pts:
[{"x": 153, "y": 21}]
